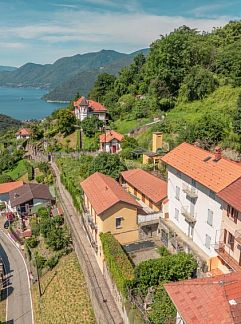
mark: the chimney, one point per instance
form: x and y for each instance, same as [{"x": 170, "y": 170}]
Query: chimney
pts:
[
  {"x": 157, "y": 141},
  {"x": 217, "y": 153}
]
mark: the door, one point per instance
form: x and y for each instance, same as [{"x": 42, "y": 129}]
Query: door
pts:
[
  {"x": 113, "y": 148},
  {"x": 143, "y": 198}
]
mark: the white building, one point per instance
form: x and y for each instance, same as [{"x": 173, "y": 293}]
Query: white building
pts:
[
  {"x": 85, "y": 108},
  {"x": 23, "y": 133},
  {"x": 110, "y": 141},
  {"x": 195, "y": 176}
]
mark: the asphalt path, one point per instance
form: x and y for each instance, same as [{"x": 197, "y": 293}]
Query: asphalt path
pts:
[{"x": 16, "y": 284}]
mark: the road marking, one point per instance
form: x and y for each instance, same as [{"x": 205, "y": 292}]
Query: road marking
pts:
[{"x": 26, "y": 268}]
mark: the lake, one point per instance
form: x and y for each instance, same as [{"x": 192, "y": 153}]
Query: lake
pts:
[{"x": 25, "y": 103}]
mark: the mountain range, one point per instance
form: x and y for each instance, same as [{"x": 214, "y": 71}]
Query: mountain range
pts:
[
  {"x": 7, "y": 68},
  {"x": 68, "y": 75}
]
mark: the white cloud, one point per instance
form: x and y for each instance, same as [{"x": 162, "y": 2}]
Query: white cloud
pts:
[
  {"x": 13, "y": 45},
  {"x": 62, "y": 5}
]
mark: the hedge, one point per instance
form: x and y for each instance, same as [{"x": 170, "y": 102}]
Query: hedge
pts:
[{"x": 117, "y": 262}]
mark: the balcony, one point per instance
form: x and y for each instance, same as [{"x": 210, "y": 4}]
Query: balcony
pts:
[
  {"x": 189, "y": 216},
  {"x": 237, "y": 236},
  {"x": 225, "y": 256},
  {"x": 149, "y": 218},
  {"x": 89, "y": 220},
  {"x": 189, "y": 190}
]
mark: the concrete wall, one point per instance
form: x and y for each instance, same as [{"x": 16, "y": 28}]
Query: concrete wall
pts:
[{"x": 200, "y": 209}]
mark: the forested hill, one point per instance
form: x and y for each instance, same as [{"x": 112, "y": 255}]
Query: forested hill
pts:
[
  {"x": 64, "y": 70},
  {"x": 181, "y": 68},
  {"x": 6, "y": 122}
]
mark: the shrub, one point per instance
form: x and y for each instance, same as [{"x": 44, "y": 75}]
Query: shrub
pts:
[
  {"x": 35, "y": 227},
  {"x": 32, "y": 242},
  {"x": 52, "y": 262},
  {"x": 30, "y": 172},
  {"x": 40, "y": 178},
  {"x": 43, "y": 212},
  {"x": 117, "y": 262},
  {"x": 5, "y": 178},
  {"x": 163, "y": 251},
  {"x": 40, "y": 261}
]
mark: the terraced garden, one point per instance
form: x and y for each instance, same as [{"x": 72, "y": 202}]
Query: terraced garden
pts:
[{"x": 65, "y": 296}]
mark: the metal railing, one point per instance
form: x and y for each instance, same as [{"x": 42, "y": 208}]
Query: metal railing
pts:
[{"x": 148, "y": 218}]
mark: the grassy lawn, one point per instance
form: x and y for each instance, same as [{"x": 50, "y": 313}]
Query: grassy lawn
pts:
[
  {"x": 65, "y": 296},
  {"x": 19, "y": 170},
  {"x": 124, "y": 126},
  {"x": 72, "y": 138}
]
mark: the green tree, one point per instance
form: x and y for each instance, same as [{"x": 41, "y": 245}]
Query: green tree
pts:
[
  {"x": 58, "y": 238},
  {"x": 91, "y": 125},
  {"x": 103, "y": 84},
  {"x": 66, "y": 121},
  {"x": 198, "y": 84},
  {"x": 109, "y": 164},
  {"x": 210, "y": 128},
  {"x": 237, "y": 117}
]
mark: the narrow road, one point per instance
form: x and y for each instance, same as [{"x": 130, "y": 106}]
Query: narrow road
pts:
[
  {"x": 105, "y": 308},
  {"x": 16, "y": 286}
]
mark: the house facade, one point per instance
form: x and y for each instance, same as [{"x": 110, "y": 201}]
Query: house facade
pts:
[
  {"x": 150, "y": 191},
  {"x": 108, "y": 208},
  {"x": 25, "y": 199},
  {"x": 195, "y": 177},
  {"x": 5, "y": 188},
  {"x": 84, "y": 108},
  {"x": 228, "y": 245},
  {"x": 23, "y": 133},
  {"x": 110, "y": 142}
]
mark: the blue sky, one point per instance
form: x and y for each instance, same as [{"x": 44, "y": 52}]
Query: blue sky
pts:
[{"x": 42, "y": 31}]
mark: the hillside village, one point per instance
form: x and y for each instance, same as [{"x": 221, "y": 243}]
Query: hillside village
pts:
[{"x": 142, "y": 184}]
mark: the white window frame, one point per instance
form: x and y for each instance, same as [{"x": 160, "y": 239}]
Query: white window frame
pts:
[
  {"x": 118, "y": 219},
  {"x": 210, "y": 216},
  {"x": 176, "y": 216},
  {"x": 208, "y": 241},
  {"x": 177, "y": 194}
]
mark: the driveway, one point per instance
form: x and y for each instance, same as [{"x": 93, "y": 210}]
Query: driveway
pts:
[{"x": 16, "y": 287}]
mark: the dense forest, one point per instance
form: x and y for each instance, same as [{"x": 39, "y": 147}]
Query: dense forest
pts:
[{"x": 191, "y": 78}]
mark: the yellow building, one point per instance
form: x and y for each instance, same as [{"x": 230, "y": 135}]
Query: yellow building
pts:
[
  {"x": 153, "y": 156},
  {"x": 108, "y": 208}
]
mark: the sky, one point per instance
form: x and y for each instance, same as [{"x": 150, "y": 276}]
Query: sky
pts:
[{"x": 41, "y": 31}]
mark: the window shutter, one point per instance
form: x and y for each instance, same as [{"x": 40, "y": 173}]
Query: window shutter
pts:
[
  {"x": 235, "y": 216},
  {"x": 225, "y": 236}
]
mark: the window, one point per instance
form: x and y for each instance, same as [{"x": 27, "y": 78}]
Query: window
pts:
[
  {"x": 210, "y": 217},
  {"x": 232, "y": 213},
  {"x": 176, "y": 214},
  {"x": 118, "y": 222},
  {"x": 194, "y": 183},
  {"x": 212, "y": 194},
  {"x": 208, "y": 241},
  {"x": 231, "y": 241},
  {"x": 179, "y": 174},
  {"x": 177, "y": 193}
]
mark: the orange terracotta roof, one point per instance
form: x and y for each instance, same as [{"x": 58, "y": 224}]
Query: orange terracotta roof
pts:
[
  {"x": 200, "y": 165},
  {"x": 24, "y": 131},
  {"x": 215, "y": 300},
  {"x": 104, "y": 192},
  {"x": 8, "y": 186},
  {"x": 152, "y": 187},
  {"x": 93, "y": 105},
  {"x": 109, "y": 136},
  {"x": 232, "y": 194}
]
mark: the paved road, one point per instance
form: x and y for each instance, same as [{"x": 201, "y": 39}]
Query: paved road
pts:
[
  {"x": 105, "y": 308},
  {"x": 18, "y": 304}
]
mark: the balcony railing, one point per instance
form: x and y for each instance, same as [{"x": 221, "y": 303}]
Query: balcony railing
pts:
[
  {"x": 221, "y": 249},
  {"x": 189, "y": 190},
  {"x": 189, "y": 216},
  {"x": 149, "y": 218}
]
